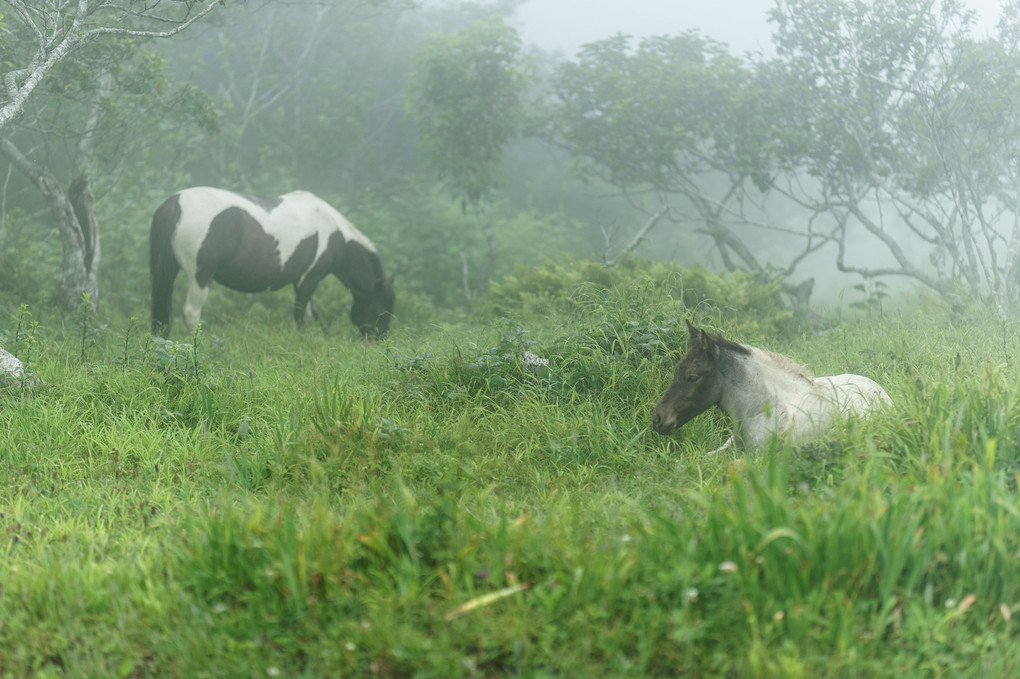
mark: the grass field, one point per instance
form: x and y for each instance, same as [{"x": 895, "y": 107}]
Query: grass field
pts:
[{"x": 254, "y": 501}]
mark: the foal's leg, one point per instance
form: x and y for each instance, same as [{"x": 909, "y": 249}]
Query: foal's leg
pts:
[
  {"x": 193, "y": 304},
  {"x": 725, "y": 446}
]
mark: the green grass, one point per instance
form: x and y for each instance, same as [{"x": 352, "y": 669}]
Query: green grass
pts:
[{"x": 255, "y": 501}]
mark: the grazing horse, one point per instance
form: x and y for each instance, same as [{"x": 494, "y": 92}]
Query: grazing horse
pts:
[
  {"x": 255, "y": 244},
  {"x": 764, "y": 394}
]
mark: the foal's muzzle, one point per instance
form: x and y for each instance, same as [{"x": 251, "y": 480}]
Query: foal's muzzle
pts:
[{"x": 663, "y": 424}]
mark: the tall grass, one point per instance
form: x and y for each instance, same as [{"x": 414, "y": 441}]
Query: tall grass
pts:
[{"x": 264, "y": 502}]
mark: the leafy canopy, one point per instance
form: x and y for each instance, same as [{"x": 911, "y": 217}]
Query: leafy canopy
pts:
[
  {"x": 468, "y": 102},
  {"x": 660, "y": 113}
]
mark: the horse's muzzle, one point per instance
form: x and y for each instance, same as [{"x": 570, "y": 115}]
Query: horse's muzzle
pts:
[{"x": 663, "y": 425}]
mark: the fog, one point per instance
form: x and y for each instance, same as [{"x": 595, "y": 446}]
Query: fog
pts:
[
  {"x": 582, "y": 148},
  {"x": 565, "y": 25}
]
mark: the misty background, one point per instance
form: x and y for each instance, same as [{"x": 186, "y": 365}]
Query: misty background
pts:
[
  {"x": 565, "y": 25},
  {"x": 860, "y": 147}
]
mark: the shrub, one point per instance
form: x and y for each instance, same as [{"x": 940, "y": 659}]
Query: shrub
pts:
[{"x": 750, "y": 302}]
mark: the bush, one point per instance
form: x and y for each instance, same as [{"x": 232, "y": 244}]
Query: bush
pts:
[{"x": 751, "y": 303}]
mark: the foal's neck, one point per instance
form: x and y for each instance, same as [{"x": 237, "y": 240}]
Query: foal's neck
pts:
[{"x": 758, "y": 381}]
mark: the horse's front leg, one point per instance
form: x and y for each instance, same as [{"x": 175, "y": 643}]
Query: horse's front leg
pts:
[
  {"x": 304, "y": 310},
  {"x": 193, "y": 305}
]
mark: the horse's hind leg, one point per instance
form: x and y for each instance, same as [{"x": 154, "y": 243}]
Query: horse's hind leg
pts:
[
  {"x": 193, "y": 304},
  {"x": 163, "y": 275}
]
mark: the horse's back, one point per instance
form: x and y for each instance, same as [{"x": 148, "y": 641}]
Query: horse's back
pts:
[
  {"x": 289, "y": 218},
  {"x": 837, "y": 397},
  {"x": 833, "y": 398},
  {"x": 854, "y": 393}
]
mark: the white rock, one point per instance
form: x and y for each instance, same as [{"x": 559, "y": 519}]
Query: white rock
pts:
[{"x": 11, "y": 369}]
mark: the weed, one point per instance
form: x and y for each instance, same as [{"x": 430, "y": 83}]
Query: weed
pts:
[{"x": 88, "y": 330}]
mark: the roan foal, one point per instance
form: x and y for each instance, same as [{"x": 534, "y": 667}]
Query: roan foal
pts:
[{"x": 763, "y": 394}]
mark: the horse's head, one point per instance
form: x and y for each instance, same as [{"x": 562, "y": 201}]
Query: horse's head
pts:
[
  {"x": 697, "y": 383},
  {"x": 372, "y": 309}
]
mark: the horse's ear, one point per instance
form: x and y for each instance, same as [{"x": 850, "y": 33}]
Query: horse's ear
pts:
[{"x": 694, "y": 335}]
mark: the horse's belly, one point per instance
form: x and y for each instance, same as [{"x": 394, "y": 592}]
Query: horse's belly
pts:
[
  {"x": 244, "y": 280},
  {"x": 254, "y": 267}
]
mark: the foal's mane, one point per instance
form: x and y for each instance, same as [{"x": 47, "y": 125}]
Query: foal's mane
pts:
[
  {"x": 778, "y": 360},
  {"x": 787, "y": 364}
]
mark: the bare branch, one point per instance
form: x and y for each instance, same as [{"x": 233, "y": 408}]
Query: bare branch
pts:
[
  {"x": 639, "y": 236},
  {"x": 56, "y": 39}
]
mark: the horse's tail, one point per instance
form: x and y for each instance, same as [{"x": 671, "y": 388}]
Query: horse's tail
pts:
[{"x": 163, "y": 266}]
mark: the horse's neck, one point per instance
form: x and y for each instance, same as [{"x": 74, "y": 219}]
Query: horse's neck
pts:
[
  {"x": 358, "y": 268},
  {"x": 759, "y": 384}
]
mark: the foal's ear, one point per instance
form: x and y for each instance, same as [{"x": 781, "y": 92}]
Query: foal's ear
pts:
[
  {"x": 697, "y": 337},
  {"x": 694, "y": 335}
]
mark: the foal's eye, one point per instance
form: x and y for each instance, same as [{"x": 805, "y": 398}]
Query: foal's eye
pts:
[{"x": 693, "y": 378}]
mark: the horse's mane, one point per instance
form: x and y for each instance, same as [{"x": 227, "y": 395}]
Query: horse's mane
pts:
[
  {"x": 778, "y": 360},
  {"x": 786, "y": 363}
]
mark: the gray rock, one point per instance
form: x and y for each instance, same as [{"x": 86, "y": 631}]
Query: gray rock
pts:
[{"x": 11, "y": 369}]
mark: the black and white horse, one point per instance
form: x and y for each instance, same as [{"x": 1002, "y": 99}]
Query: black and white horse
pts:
[{"x": 255, "y": 244}]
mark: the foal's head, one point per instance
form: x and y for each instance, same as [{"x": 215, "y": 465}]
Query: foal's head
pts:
[
  {"x": 697, "y": 383},
  {"x": 372, "y": 309}
]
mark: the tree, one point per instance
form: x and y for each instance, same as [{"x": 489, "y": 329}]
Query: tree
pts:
[
  {"x": 305, "y": 90},
  {"x": 59, "y": 28},
  {"x": 677, "y": 117},
  {"x": 44, "y": 39},
  {"x": 468, "y": 104},
  {"x": 902, "y": 136}
]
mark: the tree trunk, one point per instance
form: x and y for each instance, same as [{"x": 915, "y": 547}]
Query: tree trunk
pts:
[
  {"x": 490, "y": 255},
  {"x": 74, "y": 212},
  {"x": 80, "y": 238},
  {"x": 472, "y": 294}
]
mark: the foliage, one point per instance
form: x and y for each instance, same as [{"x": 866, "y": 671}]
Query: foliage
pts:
[
  {"x": 658, "y": 114},
  {"x": 47, "y": 36},
  {"x": 751, "y": 300},
  {"x": 467, "y": 101},
  {"x": 907, "y": 122},
  {"x": 675, "y": 114}
]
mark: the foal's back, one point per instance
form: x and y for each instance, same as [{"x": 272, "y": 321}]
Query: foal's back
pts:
[{"x": 832, "y": 399}]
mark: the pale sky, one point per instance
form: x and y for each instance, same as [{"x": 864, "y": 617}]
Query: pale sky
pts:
[{"x": 742, "y": 24}]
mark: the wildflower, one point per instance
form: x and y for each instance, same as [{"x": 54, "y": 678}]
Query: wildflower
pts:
[
  {"x": 728, "y": 567},
  {"x": 535, "y": 363}
]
